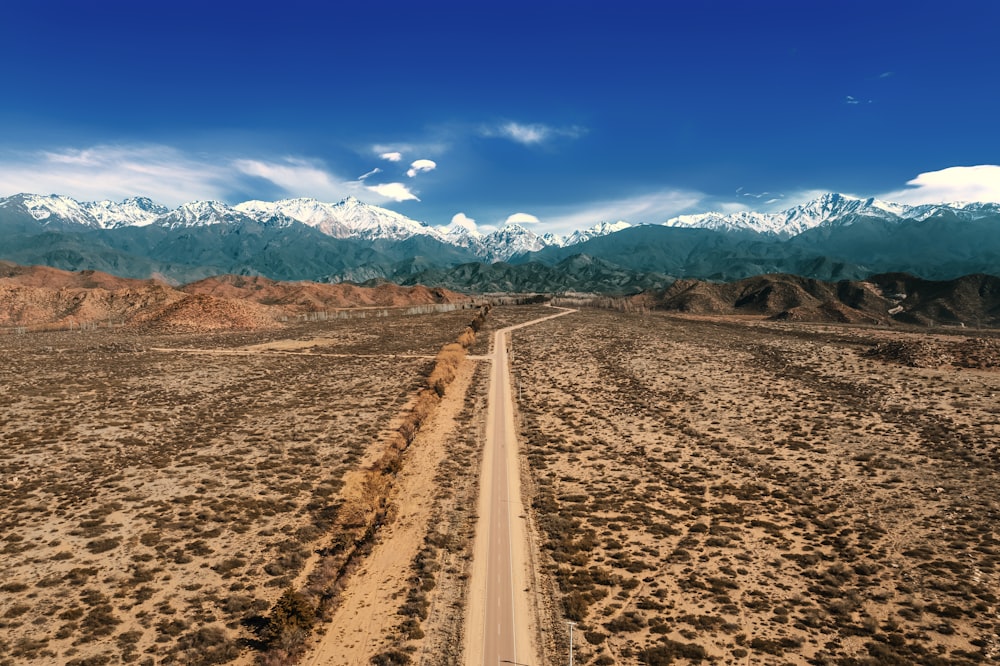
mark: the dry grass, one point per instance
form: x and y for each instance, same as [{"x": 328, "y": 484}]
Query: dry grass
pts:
[
  {"x": 760, "y": 494},
  {"x": 158, "y": 502}
]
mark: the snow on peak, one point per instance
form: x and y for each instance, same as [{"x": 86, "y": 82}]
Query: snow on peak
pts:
[
  {"x": 513, "y": 239},
  {"x": 134, "y": 211},
  {"x": 599, "y": 229},
  {"x": 349, "y": 218},
  {"x": 200, "y": 214},
  {"x": 53, "y": 206},
  {"x": 827, "y": 210}
]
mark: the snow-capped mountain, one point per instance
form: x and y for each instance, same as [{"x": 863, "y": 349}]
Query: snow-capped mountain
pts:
[
  {"x": 200, "y": 214},
  {"x": 512, "y": 240},
  {"x": 353, "y": 219},
  {"x": 53, "y": 207},
  {"x": 132, "y": 212},
  {"x": 349, "y": 218},
  {"x": 372, "y": 223},
  {"x": 600, "y": 229},
  {"x": 826, "y": 210},
  {"x": 464, "y": 235}
]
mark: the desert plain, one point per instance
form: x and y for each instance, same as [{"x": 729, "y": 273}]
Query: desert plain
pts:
[{"x": 720, "y": 490}]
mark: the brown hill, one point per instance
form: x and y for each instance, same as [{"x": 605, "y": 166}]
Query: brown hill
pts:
[
  {"x": 786, "y": 297},
  {"x": 42, "y": 297},
  {"x": 314, "y": 296},
  {"x": 53, "y": 278},
  {"x": 34, "y": 306},
  {"x": 191, "y": 314},
  {"x": 972, "y": 300}
]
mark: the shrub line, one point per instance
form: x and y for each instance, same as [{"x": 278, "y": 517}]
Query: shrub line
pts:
[{"x": 364, "y": 510}]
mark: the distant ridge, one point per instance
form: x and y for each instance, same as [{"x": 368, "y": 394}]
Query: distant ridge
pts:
[
  {"x": 971, "y": 300},
  {"x": 834, "y": 237},
  {"x": 40, "y": 297}
]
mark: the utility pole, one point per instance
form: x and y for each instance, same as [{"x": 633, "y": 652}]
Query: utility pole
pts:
[{"x": 571, "y": 625}]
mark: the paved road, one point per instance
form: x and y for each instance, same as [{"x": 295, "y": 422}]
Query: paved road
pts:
[{"x": 503, "y": 634}]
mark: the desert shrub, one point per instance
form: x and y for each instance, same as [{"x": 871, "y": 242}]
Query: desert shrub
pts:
[
  {"x": 208, "y": 645},
  {"x": 17, "y": 610},
  {"x": 292, "y": 612},
  {"x": 102, "y": 545},
  {"x": 96, "y": 660},
  {"x": 668, "y": 650},
  {"x": 391, "y": 658},
  {"x": 628, "y": 621},
  {"x": 575, "y": 606}
]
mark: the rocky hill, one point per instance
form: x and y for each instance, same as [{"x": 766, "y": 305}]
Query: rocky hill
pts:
[
  {"x": 971, "y": 300},
  {"x": 33, "y": 297}
]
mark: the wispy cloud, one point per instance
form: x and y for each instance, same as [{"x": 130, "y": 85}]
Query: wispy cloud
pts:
[
  {"x": 647, "y": 208},
  {"x": 172, "y": 177},
  {"x": 531, "y": 134},
  {"x": 371, "y": 173},
  {"x": 420, "y": 166},
  {"x": 960, "y": 183},
  {"x": 886, "y": 75},
  {"x": 393, "y": 191},
  {"x": 115, "y": 172},
  {"x": 769, "y": 197},
  {"x": 298, "y": 177},
  {"x": 433, "y": 145}
]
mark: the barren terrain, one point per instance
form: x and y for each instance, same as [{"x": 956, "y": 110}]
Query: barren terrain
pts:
[
  {"x": 708, "y": 488},
  {"x": 157, "y": 492},
  {"x": 759, "y": 493}
]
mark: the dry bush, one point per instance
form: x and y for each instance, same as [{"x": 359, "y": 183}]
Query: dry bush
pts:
[{"x": 160, "y": 471}]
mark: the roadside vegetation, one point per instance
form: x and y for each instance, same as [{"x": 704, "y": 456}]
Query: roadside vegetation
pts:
[
  {"x": 172, "y": 495},
  {"x": 732, "y": 492}
]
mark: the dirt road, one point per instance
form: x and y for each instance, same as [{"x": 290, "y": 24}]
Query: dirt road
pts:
[{"x": 500, "y": 624}]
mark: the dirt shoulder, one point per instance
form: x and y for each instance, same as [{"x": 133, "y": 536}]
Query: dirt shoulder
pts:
[{"x": 364, "y": 622}]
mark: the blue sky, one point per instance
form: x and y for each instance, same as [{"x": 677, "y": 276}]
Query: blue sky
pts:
[{"x": 566, "y": 112}]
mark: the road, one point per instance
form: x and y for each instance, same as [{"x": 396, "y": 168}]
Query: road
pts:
[{"x": 500, "y": 624}]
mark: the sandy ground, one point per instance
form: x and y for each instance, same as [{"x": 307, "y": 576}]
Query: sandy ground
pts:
[
  {"x": 757, "y": 493},
  {"x": 366, "y": 616},
  {"x": 154, "y": 501}
]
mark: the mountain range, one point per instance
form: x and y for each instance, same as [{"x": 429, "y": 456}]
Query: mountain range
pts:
[{"x": 832, "y": 237}]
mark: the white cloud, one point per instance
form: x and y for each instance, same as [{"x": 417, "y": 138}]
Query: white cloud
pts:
[
  {"x": 521, "y": 218},
  {"x": 298, "y": 178},
  {"x": 392, "y": 156},
  {"x": 800, "y": 198},
  {"x": 115, "y": 172},
  {"x": 464, "y": 221},
  {"x": 851, "y": 100},
  {"x": 393, "y": 191},
  {"x": 172, "y": 177},
  {"x": 531, "y": 134},
  {"x": 647, "y": 208},
  {"x": 954, "y": 184},
  {"x": 728, "y": 207},
  {"x": 369, "y": 174},
  {"x": 526, "y": 134},
  {"x": 420, "y": 166}
]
